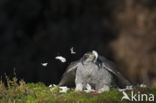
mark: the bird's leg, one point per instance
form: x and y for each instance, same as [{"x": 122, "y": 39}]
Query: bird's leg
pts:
[
  {"x": 103, "y": 89},
  {"x": 79, "y": 86},
  {"x": 79, "y": 80}
]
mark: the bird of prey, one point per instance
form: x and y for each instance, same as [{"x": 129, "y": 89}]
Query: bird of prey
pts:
[{"x": 94, "y": 70}]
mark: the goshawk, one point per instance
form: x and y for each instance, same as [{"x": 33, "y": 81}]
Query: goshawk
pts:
[{"x": 95, "y": 70}]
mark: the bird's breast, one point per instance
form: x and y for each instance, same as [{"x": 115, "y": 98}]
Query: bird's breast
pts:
[{"x": 90, "y": 69}]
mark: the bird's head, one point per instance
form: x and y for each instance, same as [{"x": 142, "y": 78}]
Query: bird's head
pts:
[{"x": 90, "y": 56}]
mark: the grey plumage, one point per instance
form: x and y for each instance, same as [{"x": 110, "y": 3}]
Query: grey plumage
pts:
[{"x": 95, "y": 70}]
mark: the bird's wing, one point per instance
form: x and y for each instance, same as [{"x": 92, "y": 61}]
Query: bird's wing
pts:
[
  {"x": 68, "y": 78},
  {"x": 111, "y": 67}
]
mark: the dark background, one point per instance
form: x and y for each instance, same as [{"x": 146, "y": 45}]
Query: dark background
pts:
[{"x": 36, "y": 31}]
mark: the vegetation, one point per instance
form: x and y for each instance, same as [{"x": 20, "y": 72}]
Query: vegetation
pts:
[{"x": 20, "y": 92}]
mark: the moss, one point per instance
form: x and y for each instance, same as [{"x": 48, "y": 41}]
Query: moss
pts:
[{"x": 21, "y": 92}]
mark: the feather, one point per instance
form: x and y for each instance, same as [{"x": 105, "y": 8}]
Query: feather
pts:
[
  {"x": 68, "y": 78},
  {"x": 111, "y": 67}
]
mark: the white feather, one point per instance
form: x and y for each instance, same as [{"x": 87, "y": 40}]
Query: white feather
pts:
[
  {"x": 62, "y": 59},
  {"x": 72, "y": 50},
  {"x": 64, "y": 89},
  {"x": 143, "y": 85},
  {"x": 44, "y": 64}
]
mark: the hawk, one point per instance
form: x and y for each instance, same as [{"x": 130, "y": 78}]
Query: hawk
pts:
[{"x": 95, "y": 70}]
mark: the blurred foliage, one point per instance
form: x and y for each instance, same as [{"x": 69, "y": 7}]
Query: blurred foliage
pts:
[{"x": 135, "y": 47}]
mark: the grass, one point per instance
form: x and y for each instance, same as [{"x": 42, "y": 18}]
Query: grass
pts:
[{"x": 21, "y": 92}]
